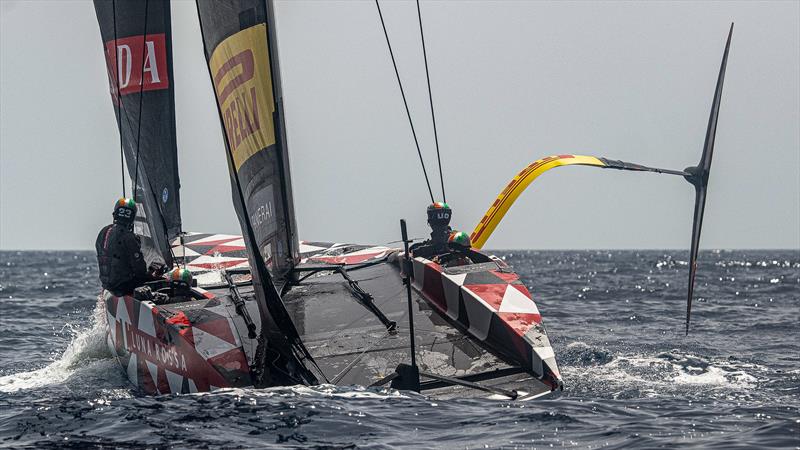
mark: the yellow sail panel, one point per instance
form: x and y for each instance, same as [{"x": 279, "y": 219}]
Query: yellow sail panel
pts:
[
  {"x": 243, "y": 84},
  {"x": 517, "y": 185}
]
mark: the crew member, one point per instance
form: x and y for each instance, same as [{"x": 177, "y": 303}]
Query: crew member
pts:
[
  {"x": 439, "y": 214},
  {"x": 119, "y": 254},
  {"x": 180, "y": 283},
  {"x": 459, "y": 240},
  {"x": 459, "y": 244}
]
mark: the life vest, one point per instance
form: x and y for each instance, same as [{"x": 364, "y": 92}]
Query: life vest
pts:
[{"x": 119, "y": 258}]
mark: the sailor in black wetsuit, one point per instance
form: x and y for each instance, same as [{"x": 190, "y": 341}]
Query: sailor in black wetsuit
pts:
[
  {"x": 180, "y": 283},
  {"x": 446, "y": 247},
  {"x": 119, "y": 253},
  {"x": 459, "y": 244},
  {"x": 439, "y": 220}
]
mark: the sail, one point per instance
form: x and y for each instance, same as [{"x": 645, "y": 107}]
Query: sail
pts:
[
  {"x": 137, "y": 42},
  {"x": 241, "y": 56},
  {"x": 238, "y": 38}
]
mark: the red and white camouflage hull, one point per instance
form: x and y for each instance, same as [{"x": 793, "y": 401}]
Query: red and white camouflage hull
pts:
[
  {"x": 197, "y": 346},
  {"x": 191, "y": 347},
  {"x": 489, "y": 302}
]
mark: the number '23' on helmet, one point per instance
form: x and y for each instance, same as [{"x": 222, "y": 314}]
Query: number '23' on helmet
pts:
[{"x": 125, "y": 210}]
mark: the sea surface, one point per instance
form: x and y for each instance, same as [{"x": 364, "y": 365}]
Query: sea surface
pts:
[{"x": 615, "y": 318}]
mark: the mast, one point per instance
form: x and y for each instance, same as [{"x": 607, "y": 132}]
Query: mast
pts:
[{"x": 292, "y": 240}]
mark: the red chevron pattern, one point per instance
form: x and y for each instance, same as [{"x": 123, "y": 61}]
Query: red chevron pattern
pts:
[
  {"x": 168, "y": 350},
  {"x": 490, "y": 302}
]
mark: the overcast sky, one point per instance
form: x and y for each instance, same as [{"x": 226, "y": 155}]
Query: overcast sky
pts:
[{"x": 512, "y": 82}]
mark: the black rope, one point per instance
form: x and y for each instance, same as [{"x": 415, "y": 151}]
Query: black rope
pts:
[
  {"x": 430, "y": 99},
  {"x": 141, "y": 90},
  {"x": 119, "y": 97},
  {"x": 402, "y": 92}
]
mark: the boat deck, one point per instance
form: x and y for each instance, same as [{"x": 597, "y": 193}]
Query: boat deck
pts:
[{"x": 353, "y": 347}]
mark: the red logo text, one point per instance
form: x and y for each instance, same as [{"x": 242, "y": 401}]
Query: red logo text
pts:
[
  {"x": 137, "y": 64},
  {"x": 237, "y": 97}
]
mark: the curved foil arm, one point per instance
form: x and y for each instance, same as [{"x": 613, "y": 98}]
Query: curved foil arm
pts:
[{"x": 517, "y": 185}]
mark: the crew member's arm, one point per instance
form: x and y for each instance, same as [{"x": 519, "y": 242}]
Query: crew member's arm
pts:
[{"x": 134, "y": 251}]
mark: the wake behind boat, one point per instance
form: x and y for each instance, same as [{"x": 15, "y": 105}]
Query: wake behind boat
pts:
[{"x": 440, "y": 317}]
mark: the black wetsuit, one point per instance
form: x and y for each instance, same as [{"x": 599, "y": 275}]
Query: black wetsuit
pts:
[
  {"x": 119, "y": 257},
  {"x": 180, "y": 294},
  {"x": 436, "y": 245}
]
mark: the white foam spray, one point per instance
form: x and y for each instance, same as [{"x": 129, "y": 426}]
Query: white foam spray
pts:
[
  {"x": 672, "y": 371},
  {"x": 88, "y": 344}
]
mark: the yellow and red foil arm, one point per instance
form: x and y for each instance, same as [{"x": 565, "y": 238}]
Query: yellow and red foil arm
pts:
[{"x": 517, "y": 185}]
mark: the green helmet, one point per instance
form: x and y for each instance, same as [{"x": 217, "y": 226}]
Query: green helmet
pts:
[
  {"x": 181, "y": 277},
  {"x": 459, "y": 238},
  {"x": 125, "y": 210}
]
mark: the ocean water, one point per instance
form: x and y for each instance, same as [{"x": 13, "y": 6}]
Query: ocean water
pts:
[{"x": 615, "y": 318}]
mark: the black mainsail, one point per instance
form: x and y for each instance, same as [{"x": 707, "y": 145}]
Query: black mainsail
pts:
[
  {"x": 137, "y": 42},
  {"x": 239, "y": 43}
]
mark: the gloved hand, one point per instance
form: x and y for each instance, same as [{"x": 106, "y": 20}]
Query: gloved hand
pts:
[{"x": 157, "y": 269}]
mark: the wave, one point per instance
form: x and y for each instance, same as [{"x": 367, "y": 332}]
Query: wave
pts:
[
  {"x": 639, "y": 374},
  {"x": 88, "y": 345},
  {"x": 318, "y": 391}
]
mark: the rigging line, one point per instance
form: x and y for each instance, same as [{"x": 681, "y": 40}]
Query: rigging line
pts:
[
  {"x": 141, "y": 90},
  {"x": 402, "y": 92},
  {"x": 119, "y": 98},
  {"x": 183, "y": 249},
  {"x": 155, "y": 200},
  {"x": 430, "y": 99}
]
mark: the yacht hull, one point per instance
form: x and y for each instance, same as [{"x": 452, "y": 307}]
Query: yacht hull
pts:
[
  {"x": 474, "y": 322},
  {"x": 179, "y": 348}
]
